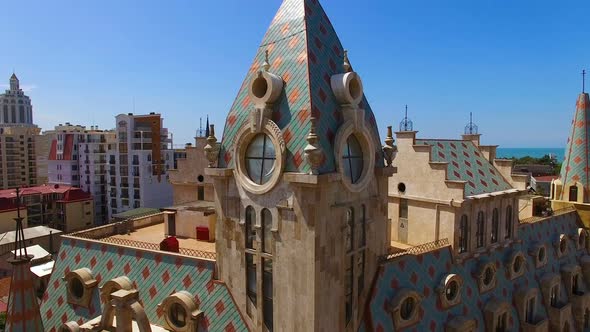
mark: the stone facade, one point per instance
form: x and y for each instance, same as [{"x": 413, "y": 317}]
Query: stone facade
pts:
[{"x": 189, "y": 181}]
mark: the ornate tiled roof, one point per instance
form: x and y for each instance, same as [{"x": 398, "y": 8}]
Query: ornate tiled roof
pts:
[
  {"x": 576, "y": 165},
  {"x": 155, "y": 274},
  {"x": 466, "y": 163},
  {"x": 305, "y": 51},
  {"x": 23, "y": 309},
  {"x": 423, "y": 274}
]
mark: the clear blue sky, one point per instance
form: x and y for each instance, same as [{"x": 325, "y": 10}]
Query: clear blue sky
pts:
[{"x": 515, "y": 64}]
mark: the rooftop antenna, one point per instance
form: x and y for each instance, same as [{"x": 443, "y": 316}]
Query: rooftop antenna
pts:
[
  {"x": 200, "y": 127},
  {"x": 406, "y": 124},
  {"x": 471, "y": 128},
  {"x": 583, "y": 80}
]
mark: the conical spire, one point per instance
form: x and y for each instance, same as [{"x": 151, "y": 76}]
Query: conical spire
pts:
[
  {"x": 305, "y": 51},
  {"x": 576, "y": 166},
  {"x": 23, "y": 307}
]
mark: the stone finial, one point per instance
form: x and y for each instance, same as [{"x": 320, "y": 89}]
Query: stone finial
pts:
[
  {"x": 266, "y": 63},
  {"x": 212, "y": 147},
  {"x": 389, "y": 149},
  {"x": 313, "y": 151},
  {"x": 346, "y": 63}
]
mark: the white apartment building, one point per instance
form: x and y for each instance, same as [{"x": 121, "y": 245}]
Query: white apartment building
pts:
[
  {"x": 139, "y": 164},
  {"x": 78, "y": 157}
]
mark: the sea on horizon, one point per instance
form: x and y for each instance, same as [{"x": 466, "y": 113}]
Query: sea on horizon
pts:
[{"x": 559, "y": 153}]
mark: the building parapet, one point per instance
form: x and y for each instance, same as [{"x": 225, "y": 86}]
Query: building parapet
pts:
[
  {"x": 559, "y": 212},
  {"x": 108, "y": 232}
]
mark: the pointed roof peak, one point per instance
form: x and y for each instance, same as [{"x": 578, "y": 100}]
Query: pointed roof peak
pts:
[
  {"x": 576, "y": 165},
  {"x": 13, "y": 77},
  {"x": 305, "y": 52}
]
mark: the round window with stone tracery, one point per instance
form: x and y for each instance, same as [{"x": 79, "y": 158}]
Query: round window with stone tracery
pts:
[
  {"x": 452, "y": 290},
  {"x": 488, "y": 276},
  {"x": 352, "y": 159},
  {"x": 407, "y": 308},
  {"x": 177, "y": 315},
  {"x": 260, "y": 159}
]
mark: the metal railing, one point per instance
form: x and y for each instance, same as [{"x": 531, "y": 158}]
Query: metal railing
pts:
[
  {"x": 416, "y": 250},
  {"x": 147, "y": 245}
]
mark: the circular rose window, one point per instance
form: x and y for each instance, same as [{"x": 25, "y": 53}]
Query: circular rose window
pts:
[
  {"x": 352, "y": 159},
  {"x": 260, "y": 159}
]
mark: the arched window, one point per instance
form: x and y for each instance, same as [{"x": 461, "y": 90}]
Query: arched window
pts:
[
  {"x": 573, "y": 193},
  {"x": 266, "y": 230},
  {"x": 250, "y": 221},
  {"x": 495, "y": 222},
  {"x": 5, "y": 111},
  {"x": 21, "y": 113},
  {"x": 13, "y": 113},
  {"x": 480, "y": 229},
  {"x": 251, "y": 278},
  {"x": 463, "y": 234},
  {"x": 508, "y": 224},
  {"x": 267, "y": 294}
]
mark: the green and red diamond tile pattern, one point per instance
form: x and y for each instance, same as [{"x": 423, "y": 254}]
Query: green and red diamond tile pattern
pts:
[
  {"x": 305, "y": 51},
  {"x": 155, "y": 275},
  {"x": 423, "y": 274},
  {"x": 576, "y": 166},
  {"x": 467, "y": 163}
]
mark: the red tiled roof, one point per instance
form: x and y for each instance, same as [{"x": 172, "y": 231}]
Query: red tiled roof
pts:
[
  {"x": 7, "y": 204},
  {"x": 44, "y": 189},
  {"x": 76, "y": 194}
]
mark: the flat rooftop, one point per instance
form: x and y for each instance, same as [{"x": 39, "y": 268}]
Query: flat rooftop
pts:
[
  {"x": 155, "y": 234},
  {"x": 146, "y": 233}
]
